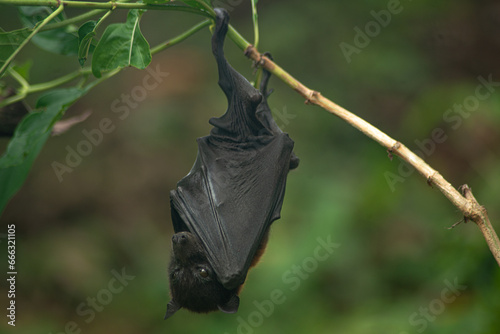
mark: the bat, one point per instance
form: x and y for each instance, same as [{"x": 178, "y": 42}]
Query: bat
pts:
[{"x": 222, "y": 210}]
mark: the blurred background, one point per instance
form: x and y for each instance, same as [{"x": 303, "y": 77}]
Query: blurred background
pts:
[{"x": 93, "y": 249}]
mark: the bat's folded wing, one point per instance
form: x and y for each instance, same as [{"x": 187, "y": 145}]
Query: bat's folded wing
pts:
[{"x": 230, "y": 197}]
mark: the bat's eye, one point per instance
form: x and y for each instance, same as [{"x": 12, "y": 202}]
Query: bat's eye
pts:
[
  {"x": 174, "y": 274},
  {"x": 203, "y": 272}
]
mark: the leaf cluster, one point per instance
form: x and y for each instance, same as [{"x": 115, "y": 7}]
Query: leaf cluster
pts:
[{"x": 120, "y": 45}]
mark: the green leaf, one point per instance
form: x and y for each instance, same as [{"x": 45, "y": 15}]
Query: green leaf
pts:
[
  {"x": 10, "y": 41},
  {"x": 29, "y": 138},
  {"x": 121, "y": 45},
  {"x": 60, "y": 41},
  {"x": 12, "y": 178},
  {"x": 35, "y": 125},
  {"x": 85, "y": 35}
]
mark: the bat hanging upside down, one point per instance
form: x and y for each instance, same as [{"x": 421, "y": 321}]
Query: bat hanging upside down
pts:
[{"x": 222, "y": 210}]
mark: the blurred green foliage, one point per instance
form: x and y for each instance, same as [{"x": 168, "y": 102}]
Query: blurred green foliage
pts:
[{"x": 395, "y": 258}]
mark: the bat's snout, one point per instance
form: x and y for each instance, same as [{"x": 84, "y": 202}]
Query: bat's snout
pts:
[
  {"x": 185, "y": 244},
  {"x": 180, "y": 238}
]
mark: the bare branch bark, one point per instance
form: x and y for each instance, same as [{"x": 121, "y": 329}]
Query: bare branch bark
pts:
[{"x": 466, "y": 203}]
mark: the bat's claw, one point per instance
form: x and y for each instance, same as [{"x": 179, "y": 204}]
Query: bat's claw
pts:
[
  {"x": 294, "y": 161},
  {"x": 266, "y": 75},
  {"x": 268, "y": 55}
]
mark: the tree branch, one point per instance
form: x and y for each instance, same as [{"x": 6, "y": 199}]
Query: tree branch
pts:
[
  {"x": 466, "y": 203},
  {"x": 106, "y": 5}
]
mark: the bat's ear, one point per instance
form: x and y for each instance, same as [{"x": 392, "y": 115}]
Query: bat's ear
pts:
[
  {"x": 172, "y": 307},
  {"x": 231, "y": 306}
]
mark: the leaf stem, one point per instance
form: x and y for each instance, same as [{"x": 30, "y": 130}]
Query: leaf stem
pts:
[
  {"x": 255, "y": 23},
  {"x": 27, "y": 39},
  {"x": 103, "y": 18},
  {"x": 180, "y": 37},
  {"x": 72, "y": 20},
  {"x": 104, "y": 77},
  {"x": 13, "y": 99},
  {"x": 19, "y": 78},
  {"x": 57, "y": 82},
  {"x": 25, "y": 90}
]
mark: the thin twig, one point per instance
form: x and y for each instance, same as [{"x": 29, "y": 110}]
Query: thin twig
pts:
[
  {"x": 179, "y": 38},
  {"x": 466, "y": 203},
  {"x": 73, "y": 20}
]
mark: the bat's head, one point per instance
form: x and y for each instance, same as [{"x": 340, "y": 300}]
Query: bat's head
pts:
[{"x": 193, "y": 282}]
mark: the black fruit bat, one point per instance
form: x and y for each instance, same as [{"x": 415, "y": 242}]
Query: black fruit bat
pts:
[{"x": 222, "y": 210}]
